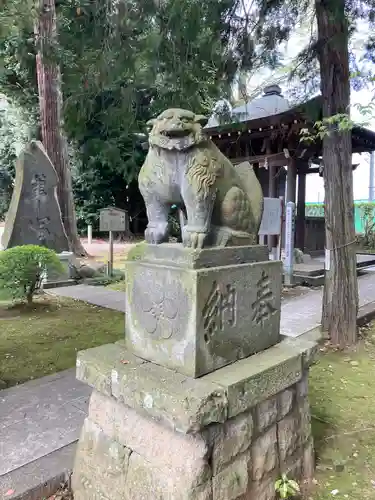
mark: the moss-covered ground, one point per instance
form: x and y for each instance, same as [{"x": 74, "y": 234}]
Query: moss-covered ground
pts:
[
  {"x": 342, "y": 396},
  {"x": 44, "y": 338}
]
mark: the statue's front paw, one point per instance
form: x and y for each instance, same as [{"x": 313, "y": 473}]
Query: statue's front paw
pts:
[
  {"x": 156, "y": 234},
  {"x": 192, "y": 238}
]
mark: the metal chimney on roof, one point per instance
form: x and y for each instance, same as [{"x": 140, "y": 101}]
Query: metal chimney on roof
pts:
[
  {"x": 242, "y": 86},
  {"x": 272, "y": 90}
]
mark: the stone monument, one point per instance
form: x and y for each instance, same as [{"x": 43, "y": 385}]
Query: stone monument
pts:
[
  {"x": 203, "y": 400},
  {"x": 34, "y": 216}
]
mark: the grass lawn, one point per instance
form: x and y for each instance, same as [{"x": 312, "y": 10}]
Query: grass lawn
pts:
[
  {"x": 119, "y": 257},
  {"x": 119, "y": 286},
  {"x": 119, "y": 260},
  {"x": 44, "y": 338},
  {"x": 4, "y": 296},
  {"x": 342, "y": 395}
]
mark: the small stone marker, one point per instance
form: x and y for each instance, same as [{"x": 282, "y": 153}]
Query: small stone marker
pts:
[
  {"x": 34, "y": 216},
  {"x": 272, "y": 223},
  {"x": 272, "y": 217},
  {"x": 289, "y": 242}
]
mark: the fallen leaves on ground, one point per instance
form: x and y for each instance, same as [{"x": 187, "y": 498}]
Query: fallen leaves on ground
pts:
[{"x": 64, "y": 493}]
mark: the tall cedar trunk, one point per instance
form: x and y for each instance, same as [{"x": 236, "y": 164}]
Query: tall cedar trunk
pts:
[
  {"x": 340, "y": 300},
  {"x": 50, "y": 103}
]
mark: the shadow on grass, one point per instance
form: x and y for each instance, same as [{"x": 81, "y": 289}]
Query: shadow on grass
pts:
[
  {"x": 322, "y": 427},
  {"x": 16, "y": 308}
]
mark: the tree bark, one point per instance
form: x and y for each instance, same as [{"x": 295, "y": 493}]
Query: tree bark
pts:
[
  {"x": 29, "y": 298},
  {"x": 340, "y": 298},
  {"x": 50, "y": 103}
]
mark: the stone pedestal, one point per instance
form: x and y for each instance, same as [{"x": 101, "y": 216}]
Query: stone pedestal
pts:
[
  {"x": 66, "y": 259},
  {"x": 202, "y": 400},
  {"x": 63, "y": 275},
  {"x": 154, "y": 434},
  {"x": 195, "y": 311}
]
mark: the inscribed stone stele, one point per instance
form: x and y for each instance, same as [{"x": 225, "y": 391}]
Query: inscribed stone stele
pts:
[{"x": 34, "y": 215}]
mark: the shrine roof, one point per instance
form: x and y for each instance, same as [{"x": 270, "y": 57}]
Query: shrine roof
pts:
[
  {"x": 305, "y": 114},
  {"x": 271, "y": 103}
]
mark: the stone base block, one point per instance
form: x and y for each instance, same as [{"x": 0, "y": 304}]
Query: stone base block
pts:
[
  {"x": 65, "y": 274},
  {"x": 196, "y": 311},
  {"x": 153, "y": 434}
]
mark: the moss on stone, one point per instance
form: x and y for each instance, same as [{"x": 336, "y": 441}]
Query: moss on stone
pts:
[{"x": 137, "y": 252}]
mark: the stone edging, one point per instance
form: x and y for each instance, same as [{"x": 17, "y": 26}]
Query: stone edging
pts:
[
  {"x": 185, "y": 404},
  {"x": 366, "y": 313}
]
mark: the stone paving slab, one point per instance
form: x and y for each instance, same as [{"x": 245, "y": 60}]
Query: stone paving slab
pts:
[
  {"x": 39, "y": 479},
  {"x": 40, "y": 417},
  {"x": 302, "y": 314},
  {"x": 96, "y": 295},
  {"x": 298, "y": 315},
  {"x": 316, "y": 265}
]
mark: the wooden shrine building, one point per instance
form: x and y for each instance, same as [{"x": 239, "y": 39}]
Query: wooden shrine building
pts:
[{"x": 267, "y": 133}]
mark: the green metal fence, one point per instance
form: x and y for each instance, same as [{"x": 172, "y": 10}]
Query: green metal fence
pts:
[{"x": 317, "y": 210}]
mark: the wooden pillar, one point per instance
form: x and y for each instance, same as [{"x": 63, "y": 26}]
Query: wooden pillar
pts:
[
  {"x": 291, "y": 180},
  {"x": 301, "y": 201},
  {"x": 271, "y": 194},
  {"x": 272, "y": 181},
  {"x": 256, "y": 169}
]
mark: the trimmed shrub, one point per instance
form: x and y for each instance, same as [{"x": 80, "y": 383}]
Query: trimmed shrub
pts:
[{"x": 22, "y": 269}]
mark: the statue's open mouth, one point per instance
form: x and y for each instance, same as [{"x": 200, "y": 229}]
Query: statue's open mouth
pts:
[{"x": 175, "y": 133}]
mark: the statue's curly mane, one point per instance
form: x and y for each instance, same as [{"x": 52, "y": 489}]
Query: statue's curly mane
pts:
[{"x": 203, "y": 171}]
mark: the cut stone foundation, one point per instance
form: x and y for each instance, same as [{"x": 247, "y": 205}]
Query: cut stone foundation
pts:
[{"x": 154, "y": 434}]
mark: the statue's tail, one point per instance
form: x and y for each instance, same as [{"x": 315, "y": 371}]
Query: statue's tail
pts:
[{"x": 254, "y": 191}]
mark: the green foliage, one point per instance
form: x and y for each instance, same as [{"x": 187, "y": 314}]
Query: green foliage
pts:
[
  {"x": 357, "y": 17},
  {"x": 340, "y": 122},
  {"x": 119, "y": 71},
  {"x": 175, "y": 230},
  {"x": 22, "y": 269},
  {"x": 286, "y": 488},
  {"x": 18, "y": 78},
  {"x": 367, "y": 214},
  {"x": 174, "y": 224},
  {"x": 123, "y": 65},
  {"x": 14, "y": 133}
]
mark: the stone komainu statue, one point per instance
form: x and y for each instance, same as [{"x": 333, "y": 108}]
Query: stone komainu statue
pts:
[{"x": 223, "y": 203}]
